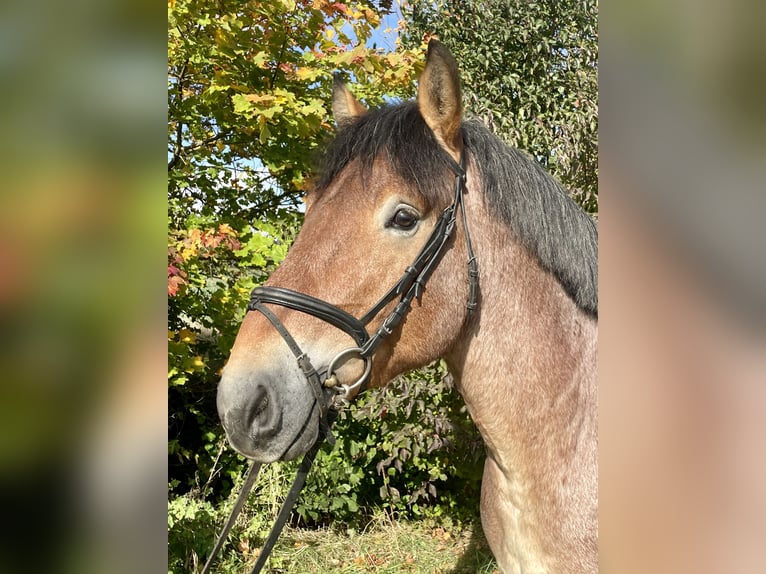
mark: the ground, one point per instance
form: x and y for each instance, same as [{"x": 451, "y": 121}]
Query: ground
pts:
[{"x": 384, "y": 547}]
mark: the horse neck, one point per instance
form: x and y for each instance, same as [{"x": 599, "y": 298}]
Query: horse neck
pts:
[{"x": 526, "y": 363}]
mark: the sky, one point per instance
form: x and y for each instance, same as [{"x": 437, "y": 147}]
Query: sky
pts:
[{"x": 385, "y": 35}]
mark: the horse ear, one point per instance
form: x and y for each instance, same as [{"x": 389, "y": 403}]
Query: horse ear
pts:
[
  {"x": 439, "y": 97},
  {"x": 345, "y": 107}
]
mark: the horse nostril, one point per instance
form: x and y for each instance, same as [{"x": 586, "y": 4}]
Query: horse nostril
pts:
[
  {"x": 263, "y": 414},
  {"x": 250, "y": 412}
]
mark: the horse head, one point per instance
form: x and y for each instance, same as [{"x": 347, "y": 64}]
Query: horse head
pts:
[{"x": 385, "y": 196}]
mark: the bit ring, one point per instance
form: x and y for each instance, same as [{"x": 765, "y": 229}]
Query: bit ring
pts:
[{"x": 348, "y": 389}]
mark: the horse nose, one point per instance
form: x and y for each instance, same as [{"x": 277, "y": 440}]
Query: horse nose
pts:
[{"x": 250, "y": 413}]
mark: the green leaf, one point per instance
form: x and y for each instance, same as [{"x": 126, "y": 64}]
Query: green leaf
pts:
[{"x": 265, "y": 133}]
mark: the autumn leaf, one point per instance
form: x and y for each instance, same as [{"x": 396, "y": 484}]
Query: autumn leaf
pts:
[
  {"x": 307, "y": 74},
  {"x": 174, "y": 284}
]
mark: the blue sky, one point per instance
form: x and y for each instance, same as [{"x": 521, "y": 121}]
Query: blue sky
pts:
[{"x": 382, "y": 38}]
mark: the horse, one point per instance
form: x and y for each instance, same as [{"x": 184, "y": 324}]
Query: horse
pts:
[{"x": 508, "y": 298}]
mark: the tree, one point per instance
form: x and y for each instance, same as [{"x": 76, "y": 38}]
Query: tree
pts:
[
  {"x": 529, "y": 71},
  {"x": 248, "y": 86}
]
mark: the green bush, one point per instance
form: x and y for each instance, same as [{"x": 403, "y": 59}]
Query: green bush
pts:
[
  {"x": 410, "y": 448},
  {"x": 211, "y": 271},
  {"x": 194, "y": 522},
  {"x": 192, "y": 527}
]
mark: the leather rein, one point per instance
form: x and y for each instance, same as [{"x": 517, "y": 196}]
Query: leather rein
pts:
[{"x": 408, "y": 288}]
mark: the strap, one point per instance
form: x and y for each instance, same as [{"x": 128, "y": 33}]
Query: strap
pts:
[
  {"x": 284, "y": 511},
  {"x": 417, "y": 274},
  {"x": 307, "y": 304},
  {"x": 309, "y": 372},
  {"x": 457, "y": 167},
  {"x": 473, "y": 266},
  {"x": 415, "y": 278},
  {"x": 292, "y": 497},
  {"x": 414, "y": 273},
  {"x": 247, "y": 486}
]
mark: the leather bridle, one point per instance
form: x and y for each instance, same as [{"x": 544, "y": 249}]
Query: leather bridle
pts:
[{"x": 408, "y": 288}]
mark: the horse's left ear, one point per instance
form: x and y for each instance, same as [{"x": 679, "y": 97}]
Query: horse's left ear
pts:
[
  {"x": 345, "y": 107},
  {"x": 440, "y": 99}
]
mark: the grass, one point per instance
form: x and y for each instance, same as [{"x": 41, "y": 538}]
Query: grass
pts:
[{"x": 385, "y": 546}]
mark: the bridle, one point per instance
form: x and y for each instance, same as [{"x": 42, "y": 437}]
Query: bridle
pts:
[{"x": 408, "y": 288}]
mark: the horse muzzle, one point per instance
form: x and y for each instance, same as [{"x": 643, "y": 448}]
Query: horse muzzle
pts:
[{"x": 267, "y": 416}]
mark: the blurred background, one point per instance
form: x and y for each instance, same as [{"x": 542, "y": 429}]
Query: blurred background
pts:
[
  {"x": 682, "y": 287},
  {"x": 82, "y": 302}
]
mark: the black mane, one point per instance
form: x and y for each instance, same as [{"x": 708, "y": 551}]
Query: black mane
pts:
[
  {"x": 518, "y": 191},
  {"x": 540, "y": 213}
]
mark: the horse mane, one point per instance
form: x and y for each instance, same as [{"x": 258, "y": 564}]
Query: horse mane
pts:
[
  {"x": 517, "y": 190},
  {"x": 540, "y": 213}
]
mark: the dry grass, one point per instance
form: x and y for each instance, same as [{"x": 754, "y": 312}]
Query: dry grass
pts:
[{"x": 384, "y": 547}]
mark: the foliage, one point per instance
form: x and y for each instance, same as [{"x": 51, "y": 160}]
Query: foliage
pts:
[
  {"x": 529, "y": 71},
  {"x": 248, "y": 87},
  {"x": 193, "y": 522},
  {"x": 411, "y": 446},
  {"x": 191, "y": 525},
  {"x": 211, "y": 271}
]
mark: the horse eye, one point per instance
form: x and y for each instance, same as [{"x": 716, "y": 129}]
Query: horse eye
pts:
[{"x": 404, "y": 219}]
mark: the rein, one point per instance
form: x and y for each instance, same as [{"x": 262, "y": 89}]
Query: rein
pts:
[{"x": 329, "y": 395}]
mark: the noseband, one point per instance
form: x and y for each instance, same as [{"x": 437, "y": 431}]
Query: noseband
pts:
[{"x": 408, "y": 288}]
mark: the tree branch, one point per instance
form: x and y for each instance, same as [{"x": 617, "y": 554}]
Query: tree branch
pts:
[{"x": 181, "y": 78}]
